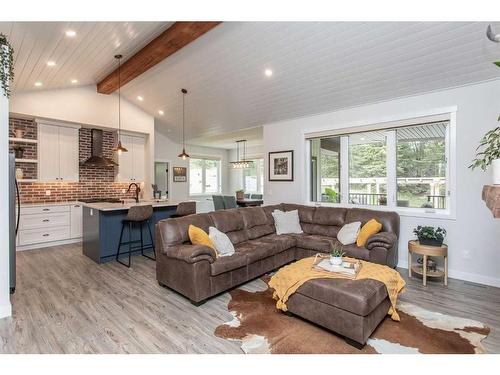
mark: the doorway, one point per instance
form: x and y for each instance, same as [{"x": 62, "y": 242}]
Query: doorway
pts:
[{"x": 162, "y": 178}]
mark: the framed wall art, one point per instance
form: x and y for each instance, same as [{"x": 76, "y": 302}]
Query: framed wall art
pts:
[{"x": 281, "y": 165}]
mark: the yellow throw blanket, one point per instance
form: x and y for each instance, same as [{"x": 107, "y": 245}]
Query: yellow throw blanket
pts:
[{"x": 289, "y": 278}]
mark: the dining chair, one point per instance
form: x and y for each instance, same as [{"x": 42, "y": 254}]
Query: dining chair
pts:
[
  {"x": 247, "y": 195},
  {"x": 218, "y": 202},
  {"x": 256, "y": 196},
  {"x": 229, "y": 201}
]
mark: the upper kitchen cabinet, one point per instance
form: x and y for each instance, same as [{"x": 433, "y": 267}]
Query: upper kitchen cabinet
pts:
[
  {"x": 132, "y": 163},
  {"x": 57, "y": 153}
]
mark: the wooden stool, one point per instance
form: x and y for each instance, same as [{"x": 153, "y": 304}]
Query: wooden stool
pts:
[{"x": 426, "y": 251}]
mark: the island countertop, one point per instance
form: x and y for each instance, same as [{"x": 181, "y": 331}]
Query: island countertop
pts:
[{"x": 107, "y": 206}]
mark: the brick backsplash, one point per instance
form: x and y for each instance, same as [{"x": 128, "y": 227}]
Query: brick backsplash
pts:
[{"x": 94, "y": 181}]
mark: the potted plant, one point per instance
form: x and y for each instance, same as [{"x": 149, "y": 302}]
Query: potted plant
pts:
[
  {"x": 488, "y": 153},
  {"x": 240, "y": 194},
  {"x": 430, "y": 236},
  {"x": 336, "y": 254}
]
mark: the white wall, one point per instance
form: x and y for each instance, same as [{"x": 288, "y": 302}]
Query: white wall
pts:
[
  {"x": 83, "y": 105},
  {"x": 236, "y": 175},
  {"x": 473, "y": 235},
  {"x": 5, "y": 307},
  {"x": 167, "y": 150}
]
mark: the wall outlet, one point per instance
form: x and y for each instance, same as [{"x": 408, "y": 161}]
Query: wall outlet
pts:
[
  {"x": 47, "y": 192},
  {"x": 466, "y": 254}
]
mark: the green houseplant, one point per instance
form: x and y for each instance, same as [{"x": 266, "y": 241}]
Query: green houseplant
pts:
[
  {"x": 336, "y": 254},
  {"x": 488, "y": 153},
  {"x": 331, "y": 195},
  {"x": 430, "y": 236},
  {"x": 6, "y": 64}
]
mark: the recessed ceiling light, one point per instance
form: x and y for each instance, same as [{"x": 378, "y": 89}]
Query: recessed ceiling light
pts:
[
  {"x": 70, "y": 33},
  {"x": 51, "y": 63},
  {"x": 160, "y": 112},
  {"x": 74, "y": 81},
  {"x": 268, "y": 72},
  {"x": 38, "y": 84},
  {"x": 140, "y": 98}
]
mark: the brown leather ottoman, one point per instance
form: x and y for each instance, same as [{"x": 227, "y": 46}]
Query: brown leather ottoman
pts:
[{"x": 351, "y": 308}]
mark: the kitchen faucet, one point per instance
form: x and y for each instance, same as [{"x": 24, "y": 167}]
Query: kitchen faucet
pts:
[{"x": 137, "y": 191}]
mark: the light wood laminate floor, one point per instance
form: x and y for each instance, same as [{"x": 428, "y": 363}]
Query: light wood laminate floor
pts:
[{"x": 65, "y": 303}]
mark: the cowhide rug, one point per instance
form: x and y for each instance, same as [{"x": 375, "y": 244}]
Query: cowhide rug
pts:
[{"x": 264, "y": 329}]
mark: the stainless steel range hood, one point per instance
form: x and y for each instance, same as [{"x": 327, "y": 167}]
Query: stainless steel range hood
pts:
[{"x": 96, "y": 158}]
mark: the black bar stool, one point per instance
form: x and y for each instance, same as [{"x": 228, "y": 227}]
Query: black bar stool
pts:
[{"x": 136, "y": 215}]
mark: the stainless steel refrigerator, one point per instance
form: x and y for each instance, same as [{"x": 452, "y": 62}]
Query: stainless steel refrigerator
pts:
[{"x": 14, "y": 205}]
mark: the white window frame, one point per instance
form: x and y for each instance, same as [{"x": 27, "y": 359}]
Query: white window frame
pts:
[
  {"x": 260, "y": 186},
  {"x": 450, "y": 154},
  {"x": 203, "y": 176}
]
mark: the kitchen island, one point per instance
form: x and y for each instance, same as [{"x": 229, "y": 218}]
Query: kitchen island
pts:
[{"x": 102, "y": 223}]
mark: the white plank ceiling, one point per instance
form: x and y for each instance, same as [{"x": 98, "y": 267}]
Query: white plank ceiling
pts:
[
  {"x": 318, "y": 67},
  {"x": 86, "y": 57}
]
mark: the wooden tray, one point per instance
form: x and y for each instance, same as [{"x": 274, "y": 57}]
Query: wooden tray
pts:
[{"x": 348, "y": 275}]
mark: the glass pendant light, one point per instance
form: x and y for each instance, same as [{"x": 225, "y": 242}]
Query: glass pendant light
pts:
[
  {"x": 183, "y": 155},
  {"x": 241, "y": 163},
  {"x": 119, "y": 148}
]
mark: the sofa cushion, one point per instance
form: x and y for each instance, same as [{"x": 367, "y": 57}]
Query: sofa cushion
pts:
[
  {"x": 269, "y": 212},
  {"x": 256, "y": 222},
  {"x": 231, "y": 223},
  {"x": 287, "y": 222},
  {"x": 349, "y": 233},
  {"x": 388, "y": 219},
  {"x": 359, "y": 297},
  {"x": 175, "y": 231},
  {"x": 256, "y": 250},
  {"x": 356, "y": 251},
  {"x": 323, "y": 230},
  {"x": 229, "y": 263},
  {"x": 284, "y": 241},
  {"x": 334, "y": 216},
  {"x": 315, "y": 242},
  {"x": 306, "y": 213}
]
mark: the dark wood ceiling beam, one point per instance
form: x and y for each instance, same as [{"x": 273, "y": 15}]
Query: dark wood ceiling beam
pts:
[{"x": 167, "y": 43}]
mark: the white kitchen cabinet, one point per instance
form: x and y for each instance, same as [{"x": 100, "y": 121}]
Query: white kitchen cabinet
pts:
[
  {"x": 57, "y": 153},
  {"x": 131, "y": 164},
  {"x": 139, "y": 160},
  {"x": 76, "y": 221},
  {"x": 48, "y": 225}
]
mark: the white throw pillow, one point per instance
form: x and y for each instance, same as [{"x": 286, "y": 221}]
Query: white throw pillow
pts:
[
  {"x": 348, "y": 234},
  {"x": 222, "y": 243},
  {"x": 287, "y": 222}
]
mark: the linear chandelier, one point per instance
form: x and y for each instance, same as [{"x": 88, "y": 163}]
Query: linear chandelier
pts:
[{"x": 241, "y": 163}]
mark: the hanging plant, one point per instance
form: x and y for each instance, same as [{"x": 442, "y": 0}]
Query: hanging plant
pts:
[{"x": 6, "y": 64}]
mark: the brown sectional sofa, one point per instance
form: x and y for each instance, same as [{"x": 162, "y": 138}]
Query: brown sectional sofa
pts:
[{"x": 195, "y": 271}]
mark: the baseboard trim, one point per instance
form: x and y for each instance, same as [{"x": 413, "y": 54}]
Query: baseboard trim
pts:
[
  {"x": 5, "y": 310},
  {"x": 464, "y": 276},
  {"x": 48, "y": 244}
]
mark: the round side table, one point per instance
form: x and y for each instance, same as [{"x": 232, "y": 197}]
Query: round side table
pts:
[{"x": 414, "y": 247}]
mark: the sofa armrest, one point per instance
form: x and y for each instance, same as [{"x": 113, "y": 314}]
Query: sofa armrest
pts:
[
  {"x": 382, "y": 239},
  {"x": 191, "y": 253}
]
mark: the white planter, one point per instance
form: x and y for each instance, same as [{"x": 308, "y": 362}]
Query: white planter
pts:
[
  {"x": 495, "y": 168},
  {"x": 336, "y": 261}
]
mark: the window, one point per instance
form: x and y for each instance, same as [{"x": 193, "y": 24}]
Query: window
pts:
[
  {"x": 395, "y": 167},
  {"x": 421, "y": 166},
  {"x": 325, "y": 169},
  {"x": 253, "y": 177},
  {"x": 367, "y": 169},
  {"x": 204, "y": 176}
]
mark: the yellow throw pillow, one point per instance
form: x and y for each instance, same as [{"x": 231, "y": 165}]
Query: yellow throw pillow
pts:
[
  {"x": 370, "y": 228},
  {"x": 198, "y": 236}
]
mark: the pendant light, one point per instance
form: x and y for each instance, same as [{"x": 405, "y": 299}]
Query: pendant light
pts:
[
  {"x": 183, "y": 155},
  {"x": 119, "y": 148},
  {"x": 241, "y": 163}
]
